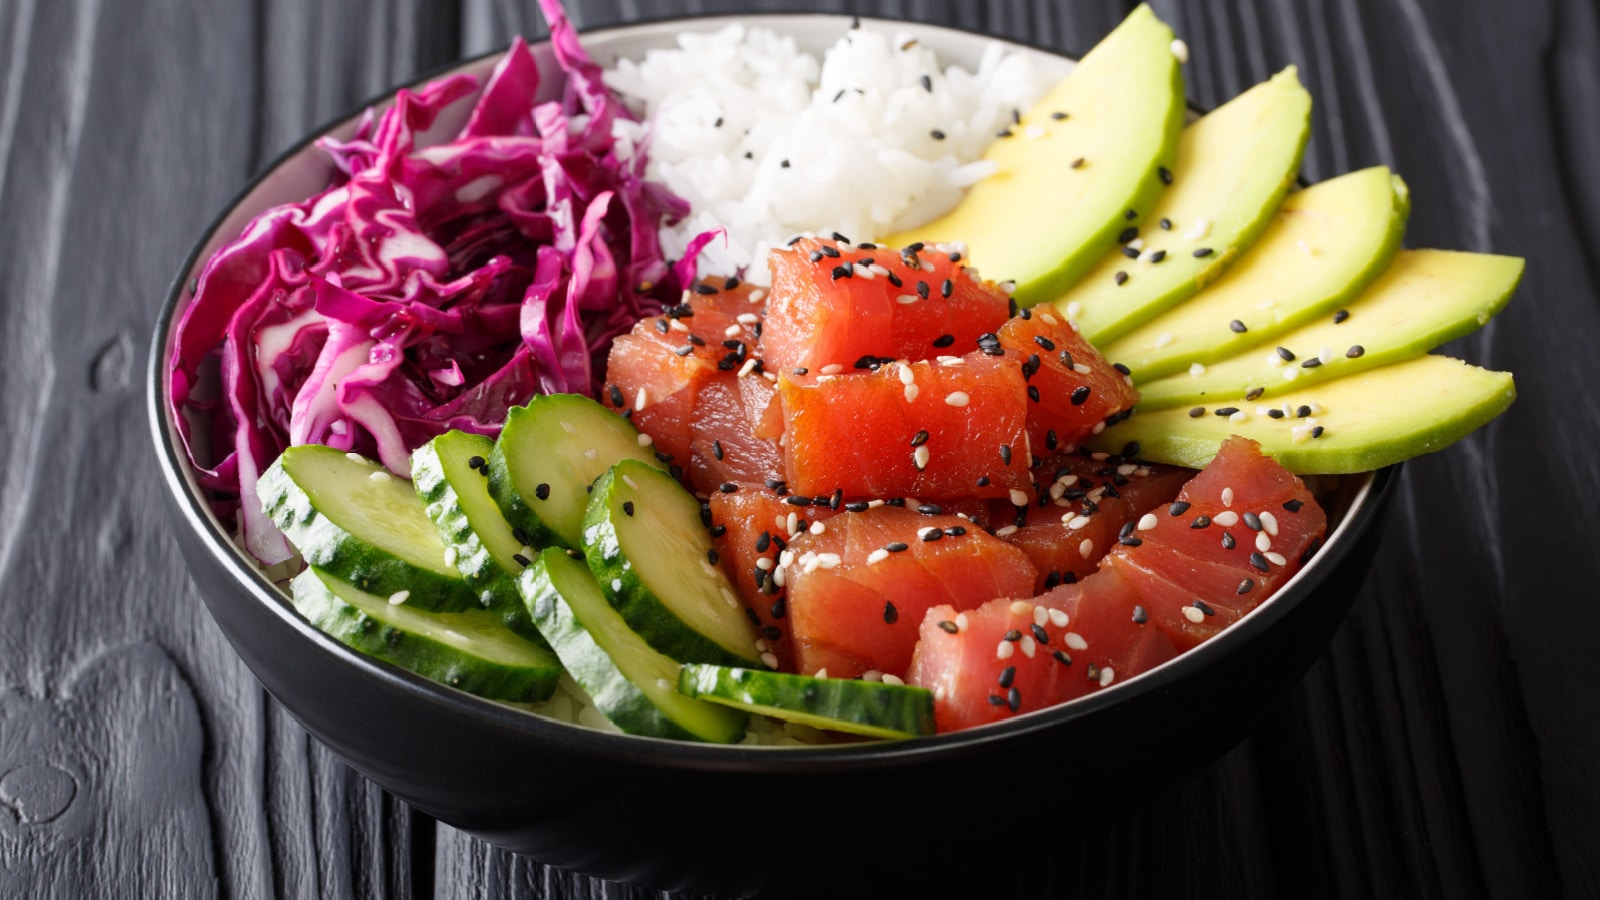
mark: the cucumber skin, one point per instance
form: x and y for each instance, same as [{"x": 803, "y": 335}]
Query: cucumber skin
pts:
[
  {"x": 495, "y": 588},
  {"x": 909, "y": 715},
  {"x": 354, "y": 628},
  {"x": 639, "y": 606},
  {"x": 328, "y": 547},
  {"x": 589, "y": 664}
]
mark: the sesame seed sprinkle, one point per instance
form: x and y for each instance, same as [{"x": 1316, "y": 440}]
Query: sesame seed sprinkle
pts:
[{"x": 956, "y": 398}]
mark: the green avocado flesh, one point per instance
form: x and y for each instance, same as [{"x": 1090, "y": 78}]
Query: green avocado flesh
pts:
[
  {"x": 1042, "y": 219},
  {"x": 1324, "y": 246},
  {"x": 1369, "y": 419},
  {"x": 1424, "y": 298},
  {"x": 1221, "y": 198}
]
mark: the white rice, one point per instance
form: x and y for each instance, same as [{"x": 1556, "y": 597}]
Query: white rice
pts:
[{"x": 855, "y": 128}]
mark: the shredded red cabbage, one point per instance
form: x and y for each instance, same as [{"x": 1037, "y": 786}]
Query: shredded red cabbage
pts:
[{"x": 425, "y": 289}]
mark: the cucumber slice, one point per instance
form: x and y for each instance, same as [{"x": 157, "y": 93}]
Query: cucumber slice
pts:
[
  {"x": 349, "y": 516},
  {"x": 450, "y": 475},
  {"x": 870, "y": 708},
  {"x": 468, "y": 650},
  {"x": 635, "y": 686},
  {"x": 548, "y": 453},
  {"x": 647, "y": 547}
]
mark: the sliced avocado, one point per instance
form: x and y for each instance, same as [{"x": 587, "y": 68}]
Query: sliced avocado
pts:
[
  {"x": 1324, "y": 246},
  {"x": 1424, "y": 298},
  {"x": 1075, "y": 167},
  {"x": 1368, "y": 420},
  {"x": 1220, "y": 200}
]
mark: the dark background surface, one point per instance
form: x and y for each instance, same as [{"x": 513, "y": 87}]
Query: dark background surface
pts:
[{"x": 1445, "y": 745}]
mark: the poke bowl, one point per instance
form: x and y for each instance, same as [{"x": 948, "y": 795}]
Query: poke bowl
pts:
[{"x": 733, "y": 818}]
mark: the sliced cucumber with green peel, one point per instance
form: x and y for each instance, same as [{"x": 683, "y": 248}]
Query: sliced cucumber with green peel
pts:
[
  {"x": 350, "y": 517},
  {"x": 646, "y": 545},
  {"x": 450, "y": 475},
  {"x": 469, "y": 650},
  {"x": 550, "y": 451},
  {"x": 632, "y": 684},
  {"x": 870, "y": 708}
]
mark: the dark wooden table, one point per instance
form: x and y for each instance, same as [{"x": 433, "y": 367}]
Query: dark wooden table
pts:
[{"x": 1445, "y": 745}]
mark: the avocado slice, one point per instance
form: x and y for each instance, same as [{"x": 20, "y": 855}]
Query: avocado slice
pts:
[
  {"x": 1075, "y": 167},
  {"x": 1424, "y": 298},
  {"x": 1220, "y": 200},
  {"x": 1324, "y": 246},
  {"x": 1369, "y": 419}
]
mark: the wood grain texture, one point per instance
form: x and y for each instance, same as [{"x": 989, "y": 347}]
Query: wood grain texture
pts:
[{"x": 1447, "y": 744}]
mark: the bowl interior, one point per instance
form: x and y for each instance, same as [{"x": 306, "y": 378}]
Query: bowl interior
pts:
[{"x": 303, "y": 170}]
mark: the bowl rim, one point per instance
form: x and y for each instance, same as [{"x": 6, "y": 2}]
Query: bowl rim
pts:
[{"x": 1366, "y": 505}]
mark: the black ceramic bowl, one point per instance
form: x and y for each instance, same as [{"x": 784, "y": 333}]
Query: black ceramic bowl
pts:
[{"x": 740, "y": 819}]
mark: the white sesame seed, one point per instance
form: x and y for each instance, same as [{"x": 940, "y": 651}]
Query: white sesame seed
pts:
[
  {"x": 1067, "y": 480},
  {"x": 1193, "y": 615},
  {"x": 892, "y": 679},
  {"x": 728, "y": 598},
  {"x": 949, "y": 360},
  {"x": 906, "y": 298},
  {"x": 591, "y": 453},
  {"x": 768, "y": 660},
  {"x": 1277, "y": 559},
  {"x": 1273, "y": 359},
  {"x": 1263, "y": 541},
  {"x": 1197, "y": 369},
  {"x": 761, "y": 645},
  {"x": 731, "y": 331},
  {"x": 1315, "y": 407},
  {"x": 1106, "y": 676},
  {"x": 1033, "y": 132},
  {"x": 1007, "y": 531},
  {"x": 1291, "y": 373},
  {"x": 1075, "y": 522},
  {"x": 864, "y": 273},
  {"x": 809, "y": 565},
  {"x": 748, "y": 318},
  {"x": 1085, "y": 548},
  {"x": 906, "y": 375},
  {"x": 920, "y": 456},
  {"x": 786, "y": 558},
  {"x": 1074, "y": 641},
  {"x": 1227, "y": 518},
  {"x": 758, "y": 295},
  {"x": 922, "y": 533},
  {"x": 820, "y": 673},
  {"x": 1058, "y": 618},
  {"x": 1057, "y": 490},
  {"x": 1180, "y": 50},
  {"x": 1164, "y": 339},
  {"x": 1074, "y": 309},
  {"x": 792, "y": 523},
  {"x": 877, "y": 556},
  {"x": 1041, "y": 616},
  {"x": 1325, "y": 355},
  {"x": 879, "y": 270},
  {"x": 1239, "y": 417},
  {"x": 677, "y": 325},
  {"x": 872, "y": 675},
  {"x": 1126, "y": 469},
  {"x": 874, "y": 504},
  {"x": 962, "y": 621},
  {"x": 1269, "y": 523},
  {"x": 764, "y": 564},
  {"x": 1148, "y": 521},
  {"x": 355, "y": 457},
  {"x": 378, "y": 475},
  {"x": 831, "y": 369},
  {"x": 1098, "y": 427},
  {"x": 1227, "y": 496},
  {"x": 911, "y": 393},
  {"x": 818, "y": 527},
  {"x": 1018, "y": 498},
  {"x": 399, "y": 597},
  {"x": 1048, "y": 319},
  {"x": 829, "y": 560},
  {"x": 748, "y": 367},
  {"x": 956, "y": 398},
  {"x": 1198, "y": 230},
  {"x": 779, "y": 576},
  {"x": 1004, "y": 650},
  {"x": 1081, "y": 368},
  {"x": 1021, "y": 608},
  {"x": 1135, "y": 244},
  {"x": 1027, "y": 646},
  {"x": 642, "y": 399},
  {"x": 645, "y": 440},
  {"x": 1300, "y": 434}
]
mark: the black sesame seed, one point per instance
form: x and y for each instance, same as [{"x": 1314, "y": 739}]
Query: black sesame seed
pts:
[
  {"x": 719, "y": 530},
  {"x": 1128, "y": 234},
  {"x": 711, "y": 556},
  {"x": 857, "y": 506},
  {"x": 1058, "y": 115},
  {"x": 949, "y": 627},
  {"x": 1285, "y": 354},
  {"x": 1122, "y": 368},
  {"x": 1302, "y": 412},
  {"x": 1260, "y": 562},
  {"x": 932, "y": 534},
  {"x": 705, "y": 290},
  {"x": 840, "y": 238},
  {"x": 815, "y": 255},
  {"x": 1293, "y": 505},
  {"x": 831, "y": 252},
  {"x": 1050, "y": 440},
  {"x": 1197, "y": 412},
  {"x": 927, "y": 84},
  {"x": 1165, "y": 173},
  {"x": 1238, "y": 327},
  {"x": 1165, "y": 223},
  {"x": 801, "y": 371},
  {"x": 1007, "y": 675},
  {"x": 1252, "y": 521},
  {"x": 754, "y": 619},
  {"x": 1255, "y": 393},
  {"x": 1340, "y": 316},
  {"x": 1076, "y": 164},
  {"x": 890, "y": 614},
  {"x": 661, "y": 326},
  {"x": 1130, "y": 253},
  {"x": 728, "y": 487},
  {"x": 1033, "y": 393},
  {"x": 1003, "y": 133},
  {"x": 1039, "y": 633},
  {"x": 1245, "y": 586},
  {"x": 784, "y": 164},
  {"x": 1225, "y": 411},
  {"x": 955, "y": 531},
  {"x": 764, "y": 542},
  {"x": 521, "y": 560},
  {"x": 542, "y": 491},
  {"x": 841, "y": 272},
  {"x": 1140, "y": 616},
  {"x": 797, "y": 500},
  {"x": 1158, "y": 256},
  {"x": 996, "y": 700},
  {"x": 1051, "y": 580},
  {"x": 1201, "y": 605},
  {"x": 1005, "y": 454},
  {"x": 1310, "y": 551},
  {"x": 1014, "y": 699},
  {"x": 1201, "y": 522},
  {"x": 1274, "y": 413},
  {"x": 936, "y": 134},
  {"x": 684, "y": 350},
  {"x": 1202, "y": 253},
  {"x": 944, "y": 340},
  {"x": 1317, "y": 431},
  {"x": 1178, "y": 508},
  {"x": 1131, "y": 214},
  {"x": 896, "y": 501},
  {"x": 923, "y": 290},
  {"x": 930, "y": 509},
  {"x": 1130, "y": 542},
  {"x": 948, "y": 288},
  {"x": 1311, "y": 363},
  {"x": 1356, "y": 351},
  {"x": 983, "y": 481},
  {"x": 1127, "y": 530},
  {"x": 627, "y": 508},
  {"x": 1121, "y": 278},
  {"x": 616, "y": 392},
  {"x": 1013, "y": 636},
  {"x": 1228, "y": 543},
  {"x": 1062, "y": 657},
  {"x": 897, "y": 547}
]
